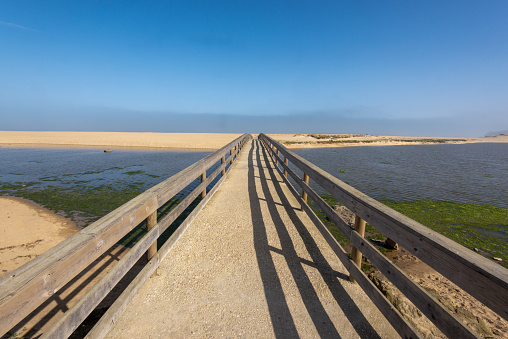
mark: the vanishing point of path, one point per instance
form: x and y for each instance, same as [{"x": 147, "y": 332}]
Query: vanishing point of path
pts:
[{"x": 251, "y": 265}]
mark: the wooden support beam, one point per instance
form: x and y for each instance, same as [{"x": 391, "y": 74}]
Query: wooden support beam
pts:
[
  {"x": 203, "y": 178},
  {"x": 222, "y": 161},
  {"x": 286, "y": 162},
  {"x": 356, "y": 255},
  {"x": 304, "y": 194},
  {"x": 151, "y": 222}
]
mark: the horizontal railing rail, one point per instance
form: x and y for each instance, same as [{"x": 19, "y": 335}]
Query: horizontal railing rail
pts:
[
  {"x": 481, "y": 278},
  {"x": 27, "y": 287}
]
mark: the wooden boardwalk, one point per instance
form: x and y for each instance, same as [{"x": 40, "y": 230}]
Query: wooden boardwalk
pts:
[
  {"x": 249, "y": 258},
  {"x": 252, "y": 265}
]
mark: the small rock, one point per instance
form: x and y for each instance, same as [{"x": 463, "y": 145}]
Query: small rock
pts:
[
  {"x": 497, "y": 259},
  {"x": 107, "y": 151},
  {"x": 389, "y": 243},
  {"x": 476, "y": 249},
  {"x": 345, "y": 214},
  {"x": 23, "y": 186}
]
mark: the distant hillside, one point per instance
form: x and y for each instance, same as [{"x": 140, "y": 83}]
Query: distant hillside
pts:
[{"x": 491, "y": 134}]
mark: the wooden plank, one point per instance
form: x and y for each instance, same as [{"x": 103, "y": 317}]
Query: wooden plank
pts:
[
  {"x": 27, "y": 287},
  {"x": 387, "y": 309},
  {"x": 64, "y": 327},
  {"x": 483, "y": 279},
  {"x": 113, "y": 313}
]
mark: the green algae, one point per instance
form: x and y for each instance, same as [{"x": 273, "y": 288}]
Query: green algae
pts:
[
  {"x": 134, "y": 172},
  {"x": 93, "y": 201},
  {"x": 481, "y": 227},
  {"x": 484, "y": 227}
]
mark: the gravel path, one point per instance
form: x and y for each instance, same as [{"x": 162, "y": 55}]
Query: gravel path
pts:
[{"x": 251, "y": 265}]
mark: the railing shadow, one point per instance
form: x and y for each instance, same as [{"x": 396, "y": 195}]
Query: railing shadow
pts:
[
  {"x": 54, "y": 307},
  {"x": 282, "y": 319}
]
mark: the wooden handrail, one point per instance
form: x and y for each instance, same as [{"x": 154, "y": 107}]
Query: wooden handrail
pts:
[
  {"x": 483, "y": 279},
  {"x": 25, "y": 288}
]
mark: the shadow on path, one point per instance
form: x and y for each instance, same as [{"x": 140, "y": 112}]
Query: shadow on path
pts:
[{"x": 282, "y": 319}]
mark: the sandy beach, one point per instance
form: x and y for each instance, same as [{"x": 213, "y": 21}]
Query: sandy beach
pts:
[
  {"x": 296, "y": 141},
  {"x": 201, "y": 141},
  {"x": 27, "y": 230}
]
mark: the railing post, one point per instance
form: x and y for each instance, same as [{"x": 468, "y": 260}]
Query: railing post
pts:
[
  {"x": 151, "y": 221},
  {"x": 277, "y": 159},
  {"x": 203, "y": 178},
  {"x": 286, "y": 162},
  {"x": 231, "y": 156},
  {"x": 304, "y": 194},
  {"x": 356, "y": 255},
  {"x": 222, "y": 161}
]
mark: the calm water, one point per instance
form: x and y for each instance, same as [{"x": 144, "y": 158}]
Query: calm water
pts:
[
  {"x": 469, "y": 173},
  {"x": 92, "y": 167}
]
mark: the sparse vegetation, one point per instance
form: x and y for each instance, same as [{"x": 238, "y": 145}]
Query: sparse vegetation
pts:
[{"x": 335, "y": 136}]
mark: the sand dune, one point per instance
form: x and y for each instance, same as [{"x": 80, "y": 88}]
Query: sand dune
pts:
[{"x": 294, "y": 141}]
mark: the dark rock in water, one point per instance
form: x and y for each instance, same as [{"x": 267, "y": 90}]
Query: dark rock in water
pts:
[
  {"x": 107, "y": 151},
  {"x": 389, "y": 243}
]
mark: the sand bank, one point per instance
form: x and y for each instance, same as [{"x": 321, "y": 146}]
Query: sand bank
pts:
[
  {"x": 205, "y": 141},
  {"x": 294, "y": 141},
  {"x": 27, "y": 230}
]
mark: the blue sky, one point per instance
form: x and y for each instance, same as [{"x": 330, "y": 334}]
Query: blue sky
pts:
[{"x": 379, "y": 67}]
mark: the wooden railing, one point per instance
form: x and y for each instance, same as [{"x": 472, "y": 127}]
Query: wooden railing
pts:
[
  {"x": 27, "y": 287},
  {"x": 481, "y": 278}
]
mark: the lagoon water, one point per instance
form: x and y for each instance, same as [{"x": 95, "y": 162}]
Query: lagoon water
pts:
[
  {"x": 468, "y": 173},
  {"x": 471, "y": 173},
  {"x": 92, "y": 167}
]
